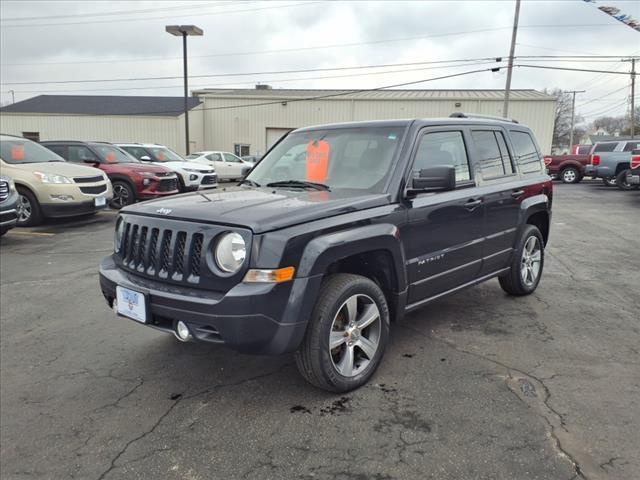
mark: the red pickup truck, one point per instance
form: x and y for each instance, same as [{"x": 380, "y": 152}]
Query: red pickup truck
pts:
[{"x": 568, "y": 168}]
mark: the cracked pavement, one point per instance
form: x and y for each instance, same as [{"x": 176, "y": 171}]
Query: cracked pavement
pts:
[{"x": 475, "y": 386}]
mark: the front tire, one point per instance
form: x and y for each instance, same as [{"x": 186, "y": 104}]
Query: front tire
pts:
[
  {"x": 609, "y": 182},
  {"x": 526, "y": 268},
  {"x": 123, "y": 195},
  {"x": 347, "y": 334},
  {"x": 621, "y": 181},
  {"x": 570, "y": 175},
  {"x": 29, "y": 211}
]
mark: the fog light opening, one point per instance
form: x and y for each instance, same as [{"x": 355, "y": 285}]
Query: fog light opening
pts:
[{"x": 182, "y": 332}]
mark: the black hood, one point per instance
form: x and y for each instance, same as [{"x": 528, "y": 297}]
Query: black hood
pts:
[{"x": 260, "y": 209}]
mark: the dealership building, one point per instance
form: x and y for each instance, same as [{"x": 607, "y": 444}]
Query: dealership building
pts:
[{"x": 249, "y": 121}]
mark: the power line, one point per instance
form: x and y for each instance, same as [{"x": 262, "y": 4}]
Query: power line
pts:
[
  {"x": 120, "y": 20},
  {"x": 601, "y": 111},
  {"x": 547, "y": 67},
  {"x": 275, "y": 80},
  {"x": 602, "y": 96},
  {"x": 124, "y": 12}
]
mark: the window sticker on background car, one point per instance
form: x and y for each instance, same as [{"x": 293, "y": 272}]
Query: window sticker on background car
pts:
[
  {"x": 17, "y": 152},
  {"x": 160, "y": 155},
  {"x": 110, "y": 157},
  {"x": 317, "y": 161}
]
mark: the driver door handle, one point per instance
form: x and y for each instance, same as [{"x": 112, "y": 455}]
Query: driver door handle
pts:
[
  {"x": 517, "y": 193},
  {"x": 472, "y": 203}
]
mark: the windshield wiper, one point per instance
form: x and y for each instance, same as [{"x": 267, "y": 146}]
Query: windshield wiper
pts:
[
  {"x": 249, "y": 182},
  {"x": 299, "y": 184}
]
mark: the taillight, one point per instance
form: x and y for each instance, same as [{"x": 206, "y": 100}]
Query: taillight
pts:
[
  {"x": 547, "y": 161},
  {"x": 635, "y": 161},
  {"x": 595, "y": 159}
]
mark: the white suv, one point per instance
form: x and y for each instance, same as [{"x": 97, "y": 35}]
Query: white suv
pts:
[
  {"x": 191, "y": 176},
  {"x": 228, "y": 166}
]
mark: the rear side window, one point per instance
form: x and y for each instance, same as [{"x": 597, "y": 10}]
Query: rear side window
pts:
[
  {"x": 80, "y": 153},
  {"x": 59, "y": 149},
  {"x": 631, "y": 146},
  {"x": 527, "y": 156},
  {"x": 605, "y": 147},
  {"x": 492, "y": 153},
  {"x": 137, "y": 152},
  {"x": 583, "y": 150},
  {"x": 214, "y": 157},
  {"x": 443, "y": 148}
]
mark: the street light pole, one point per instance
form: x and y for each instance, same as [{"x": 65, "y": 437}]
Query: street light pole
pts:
[{"x": 183, "y": 31}]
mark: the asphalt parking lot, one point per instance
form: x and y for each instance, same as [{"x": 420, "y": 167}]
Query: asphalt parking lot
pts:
[{"x": 476, "y": 386}]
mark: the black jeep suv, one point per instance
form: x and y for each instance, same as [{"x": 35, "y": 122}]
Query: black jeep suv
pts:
[{"x": 339, "y": 230}]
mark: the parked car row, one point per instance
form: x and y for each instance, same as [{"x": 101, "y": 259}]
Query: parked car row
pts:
[
  {"x": 69, "y": 178},
  {"x": 610, "y": 161}
]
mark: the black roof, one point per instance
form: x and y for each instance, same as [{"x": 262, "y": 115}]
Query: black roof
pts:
[{"x": 102, "y": 105}]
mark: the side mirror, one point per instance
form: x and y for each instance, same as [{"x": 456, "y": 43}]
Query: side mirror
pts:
[
  {"x": 145, "y": 158},
  {"x": 439, "y": 178}
]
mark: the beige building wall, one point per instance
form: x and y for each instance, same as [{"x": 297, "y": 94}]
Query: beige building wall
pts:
[{"x": 225, "y": 126}]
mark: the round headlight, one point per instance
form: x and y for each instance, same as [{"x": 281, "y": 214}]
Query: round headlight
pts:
[
  {"x": 230, "y": 252},
  {"x": 117, "y": 239}
]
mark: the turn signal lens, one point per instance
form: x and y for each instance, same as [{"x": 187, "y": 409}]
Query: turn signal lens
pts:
[{"x": 269, "y": 276}]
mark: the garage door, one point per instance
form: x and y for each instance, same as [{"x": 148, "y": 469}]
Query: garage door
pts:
[{"x": 275, "y": 134}]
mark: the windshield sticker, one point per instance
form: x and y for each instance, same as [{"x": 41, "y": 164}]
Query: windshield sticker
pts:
[
  {"x": 17, "y": 152},
  {"x": 110, "y": 157},
  {"x": 160, "y": 155},
  {"x": 317, "y": 161}
]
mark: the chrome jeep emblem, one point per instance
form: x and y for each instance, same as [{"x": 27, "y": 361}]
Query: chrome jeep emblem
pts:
[{"x": 164, "y": 211}]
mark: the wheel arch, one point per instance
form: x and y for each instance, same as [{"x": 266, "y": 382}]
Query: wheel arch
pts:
[
  {"x": 125, "y": 179},
  {"x": 621, "y": 167}
]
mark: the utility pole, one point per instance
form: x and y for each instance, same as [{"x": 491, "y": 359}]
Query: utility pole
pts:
[
  {"x": 505, "y": 108},
  {"x": 633, "y": 94},
  {"x": 573, "y": 116},
  {"x": 13, "y": 96}
]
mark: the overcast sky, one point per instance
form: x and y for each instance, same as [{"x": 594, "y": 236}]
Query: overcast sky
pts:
[{"x": 46, "y": 41}]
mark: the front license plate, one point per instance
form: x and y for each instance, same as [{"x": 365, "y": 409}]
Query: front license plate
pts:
[
  {"x": 100, "y": 201},
  {"x": 131, "y": 304}
]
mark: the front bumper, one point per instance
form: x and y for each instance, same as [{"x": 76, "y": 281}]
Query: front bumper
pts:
[
  {"x": 70, "y": 209},
  {"x": 250, "y": 318},
  {"x": 9, "y": 211}
]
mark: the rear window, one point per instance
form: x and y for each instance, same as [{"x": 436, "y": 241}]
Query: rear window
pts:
[
  {"x": 631, "y": 146},
  {"x": 583, "y": 149},
  {"x": 527, "y": 156},
  {"x": 605, "y": 147}
]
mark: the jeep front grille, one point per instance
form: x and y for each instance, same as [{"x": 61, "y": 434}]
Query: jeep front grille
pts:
[{"x": 4, "y": 190}]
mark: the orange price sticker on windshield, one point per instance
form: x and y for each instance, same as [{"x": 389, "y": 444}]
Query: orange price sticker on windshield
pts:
[
  {"x": 110, "y": 157},
  {"x": 160, "y": 156},
  {"x": 17, "y": 152},
  {"x": 317, "y": 161}
]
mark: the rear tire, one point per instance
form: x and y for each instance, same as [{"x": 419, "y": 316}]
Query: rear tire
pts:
[
  {"x": 351, "y": 315},
  {"x": 29, "y": 211},
  {"x": 570, "y": 175},
  {"x": 609, "y": 182},
  {"x": 528, "y": 261},
  {"x": 123, "y": 195},
  {"x": 621, "y": 181}
]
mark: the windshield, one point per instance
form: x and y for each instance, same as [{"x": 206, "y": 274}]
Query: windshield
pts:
[
  {"x": 163, "y": 154},
  {"x": 18, "y": 150},
  {"x": 193, "y": 156},
  {"x": 112, "y": 154},
  {"x": 349, "y": 158}
]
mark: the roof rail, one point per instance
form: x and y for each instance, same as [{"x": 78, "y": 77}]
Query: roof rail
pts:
[{"x": 487, "y": 117}]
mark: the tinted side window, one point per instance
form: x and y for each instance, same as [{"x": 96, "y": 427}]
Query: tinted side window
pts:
[
  {"x": 504, "y": 152},
  {"x": 443, "y": 148},
  {"x": 80, "y": 153},
  {"x": 631, "y": 146},
  {"x": 527, "y": 155},
  {"x": 584, "y": 149},
  {"x": 231, "y": 158},
  {"x": 605, "y": 147},
  {"x": 137, "y": 152},
  {"x": 489, "y": 154},
  {"x": 59, "y": 149}
]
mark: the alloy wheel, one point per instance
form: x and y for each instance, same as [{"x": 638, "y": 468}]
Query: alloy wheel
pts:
[
  {"x": 355, "y": 335},
  {"x": 120, "y": 196},
  {"x": 530, "y": 263},
  {"x": 569, "y": 176},
  {"x": 25, "y": 209}
]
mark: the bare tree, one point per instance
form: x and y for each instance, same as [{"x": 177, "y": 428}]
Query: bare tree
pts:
[{"x": 562, "y": 124}]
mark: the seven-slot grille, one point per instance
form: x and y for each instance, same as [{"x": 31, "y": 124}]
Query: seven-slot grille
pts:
[
  {"x": 168, "y": 184},
  {"x": 162, "y": 252},
  {"x": 4, "y": 190},
  {"x": 88, "y": 179}
]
